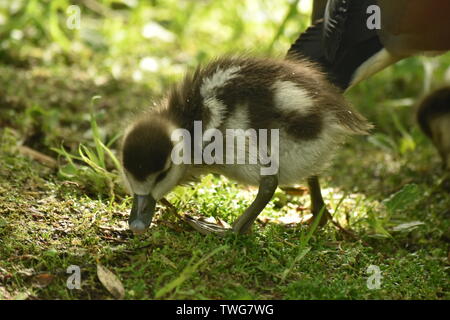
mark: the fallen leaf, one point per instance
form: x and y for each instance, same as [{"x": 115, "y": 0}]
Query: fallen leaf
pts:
[
  {"x": 223, "y": 224},
  {"x": 43, "y": 280},
  {"x": 409, "y": 226},
  {"x": 208, "y": 219},
  {"x": 202, "y": 225},
  {"x": 110, "y": 282}
]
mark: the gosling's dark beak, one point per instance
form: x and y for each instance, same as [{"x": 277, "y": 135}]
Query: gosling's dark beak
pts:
[{"x": 141, "y": 213}]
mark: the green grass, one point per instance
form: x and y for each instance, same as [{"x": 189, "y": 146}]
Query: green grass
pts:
[
  {"x": 47, "y": 224},
  {"x": 93, "y": 170},
  {"x": 387, "y": 188}
]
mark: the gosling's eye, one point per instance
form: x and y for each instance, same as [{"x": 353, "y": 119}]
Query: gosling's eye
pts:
[{"x": 161, "y": 176}]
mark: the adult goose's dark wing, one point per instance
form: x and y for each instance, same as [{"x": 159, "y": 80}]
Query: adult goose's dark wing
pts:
[{"x": 341, "y": 42}]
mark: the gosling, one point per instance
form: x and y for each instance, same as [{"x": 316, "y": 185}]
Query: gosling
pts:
[{"x": 288, "y": 104}]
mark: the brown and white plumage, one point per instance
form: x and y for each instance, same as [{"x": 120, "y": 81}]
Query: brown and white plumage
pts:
[{"x": 292, "y": 96}]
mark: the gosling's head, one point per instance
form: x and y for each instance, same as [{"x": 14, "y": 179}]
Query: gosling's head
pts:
[{"x": 148, "y": 168}]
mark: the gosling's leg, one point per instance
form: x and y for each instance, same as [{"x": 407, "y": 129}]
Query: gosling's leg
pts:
[
  {"x": 317, "y": 202},
  {"x": 267, "y": 187}
]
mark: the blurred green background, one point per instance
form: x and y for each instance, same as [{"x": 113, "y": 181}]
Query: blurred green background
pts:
[
  {"x": 105, "y": 46},
  {"x": 148, "y": 41},
  {"x": 132, "y": 46}
]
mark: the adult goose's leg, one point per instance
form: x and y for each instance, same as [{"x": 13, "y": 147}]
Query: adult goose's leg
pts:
[
  {"x": 267, "y": 187},
  {"x": 317, "y": 202}
]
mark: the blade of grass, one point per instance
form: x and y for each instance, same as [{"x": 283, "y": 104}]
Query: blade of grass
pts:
[
  {"x": 112, "y": 156},
  {"x": 69, "y": 157},
  {"x": 114, "y": 139},
  {"x": 303, "y": 248},
  {"x": 186, "y": 273},
  {"x": 96, "y": 134}
]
